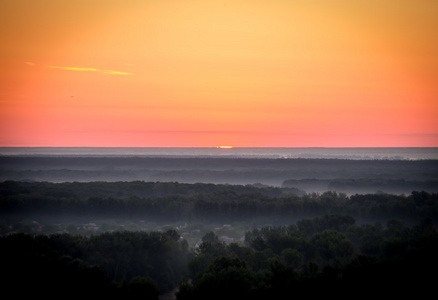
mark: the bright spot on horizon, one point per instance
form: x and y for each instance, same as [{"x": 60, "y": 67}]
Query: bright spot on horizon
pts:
[{"x": 225, "y": 147}]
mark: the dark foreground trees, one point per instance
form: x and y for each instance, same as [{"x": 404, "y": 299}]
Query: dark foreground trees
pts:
[
  {"x": 282, "y": 262},
  {"x": 339, "y": 259},
  {"x": 122, "y": 263}
]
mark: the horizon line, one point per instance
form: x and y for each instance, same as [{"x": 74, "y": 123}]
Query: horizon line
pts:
[{"x": 219, "y": 147}]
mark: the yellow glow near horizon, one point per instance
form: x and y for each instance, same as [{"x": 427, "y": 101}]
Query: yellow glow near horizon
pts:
[{"x": 205, "y": 73}]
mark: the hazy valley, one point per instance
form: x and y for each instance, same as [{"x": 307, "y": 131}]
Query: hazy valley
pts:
[{"x": 170, "y": 223}]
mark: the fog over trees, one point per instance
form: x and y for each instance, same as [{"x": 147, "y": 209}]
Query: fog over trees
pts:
[
  {"x": 310, "y": 175},
  {"x": 215, "y": 227}
]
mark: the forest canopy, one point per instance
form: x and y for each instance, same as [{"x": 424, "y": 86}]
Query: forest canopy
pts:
[
  {"x": 315, "y": 257},
  {"x": 171, "y": 202},
  {"x": 213, "y": 240}
]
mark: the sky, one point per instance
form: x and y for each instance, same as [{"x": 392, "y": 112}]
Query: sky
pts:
[{"x": 201, "y": 73}]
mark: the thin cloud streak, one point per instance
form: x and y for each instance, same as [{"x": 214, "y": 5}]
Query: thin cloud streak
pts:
[
  {"x": 90, "y": 70},
  {"x": 116, "y": 72}
]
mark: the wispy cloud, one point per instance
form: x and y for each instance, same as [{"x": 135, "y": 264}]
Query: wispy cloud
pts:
[
  {"x": 90, "y": 70},
  {"x": 75, "y": 69},
  {"x": 29, "y": 63},
  {"x": 116, "y": 72}
]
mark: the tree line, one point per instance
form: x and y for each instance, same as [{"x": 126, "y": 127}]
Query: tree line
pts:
[{"x": 200, "y": 202}]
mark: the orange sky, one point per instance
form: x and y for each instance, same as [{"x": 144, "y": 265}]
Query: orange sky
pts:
[{"x": 259, "y": 73}]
